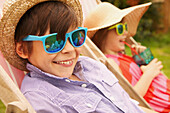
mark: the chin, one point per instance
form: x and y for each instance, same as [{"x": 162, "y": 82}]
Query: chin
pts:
[{"x": 122, "y": 48}]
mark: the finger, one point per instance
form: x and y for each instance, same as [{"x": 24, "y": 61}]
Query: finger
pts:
[
  {"x": 154, "y": 60},
  {"x": 159, "y": 63},
  {"x": 137, "y": 49},
  {"x": 133, "y": 45},
  {"x": 142, "y": 67},
  {"x": 160, "y": 67},
  {"x": 141, "y": 49}
]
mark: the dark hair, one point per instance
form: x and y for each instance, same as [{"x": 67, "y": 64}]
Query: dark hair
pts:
[
  {"x": 56, "y": 16},
  {"x": 100, "y": 37}
]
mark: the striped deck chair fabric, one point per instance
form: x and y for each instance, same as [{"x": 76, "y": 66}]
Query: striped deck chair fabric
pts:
[
  {"x": 15, "y": 74},
  {"x": 11, "y": 79}
]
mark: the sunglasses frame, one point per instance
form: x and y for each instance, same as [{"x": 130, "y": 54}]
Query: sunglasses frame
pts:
[
  {"x": 116, "y": 26},
  {"x": 67, "y": 35}
]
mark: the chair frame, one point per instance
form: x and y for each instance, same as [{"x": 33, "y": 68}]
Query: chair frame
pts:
[{"x": 11, "y": 95}]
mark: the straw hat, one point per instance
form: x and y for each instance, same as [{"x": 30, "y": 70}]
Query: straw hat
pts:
[
  {"x": 12, "y": 12},
  {"x": 106, "y": 14}
]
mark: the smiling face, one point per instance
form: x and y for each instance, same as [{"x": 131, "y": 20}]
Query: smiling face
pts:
[
  {"x": 114, "y": 43},
  {"x": 57, "y": 17},
  {"x": 59, "y": 64}
]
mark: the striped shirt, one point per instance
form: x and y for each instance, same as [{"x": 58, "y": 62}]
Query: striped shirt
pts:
[{"x": 99, "y": 92}]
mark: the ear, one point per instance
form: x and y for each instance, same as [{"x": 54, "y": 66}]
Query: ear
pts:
[{"x": 20, "y": 50}]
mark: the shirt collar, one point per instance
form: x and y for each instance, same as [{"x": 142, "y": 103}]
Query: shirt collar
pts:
[{"x": 36, "y": 72}]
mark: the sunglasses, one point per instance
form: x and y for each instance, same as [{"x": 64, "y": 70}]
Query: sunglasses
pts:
[
  {"x": 120, "y": 28},
  {"x": 54, "y": 44}
]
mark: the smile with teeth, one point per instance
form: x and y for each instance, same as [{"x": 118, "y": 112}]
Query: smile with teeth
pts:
[{"x": 64, "y": 62}]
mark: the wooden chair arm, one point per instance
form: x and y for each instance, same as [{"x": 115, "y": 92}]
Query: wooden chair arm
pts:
[
  {"x": 16, "y": 107},
  {"x": 11, "y": 95}
]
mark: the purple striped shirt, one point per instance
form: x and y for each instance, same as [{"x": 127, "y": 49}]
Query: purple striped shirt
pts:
[{"x": 99, "y": 92}]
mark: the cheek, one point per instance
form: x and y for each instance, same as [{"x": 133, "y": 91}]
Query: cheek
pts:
[
  {"x": 78, "y": 50},
  {"x": 112, "y": 40},
  {"x": 37, "y": 53}
]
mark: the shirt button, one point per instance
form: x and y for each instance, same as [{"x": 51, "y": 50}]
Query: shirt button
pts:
[
  {"x": 84, "y": 85},
  {"x": 112, "y": 98},
  {"x": 89, "y": 105},
  {"x": 67, "y": 80}
]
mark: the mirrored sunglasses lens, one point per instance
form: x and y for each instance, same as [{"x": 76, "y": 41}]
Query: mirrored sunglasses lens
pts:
[
  {"x": 78, "y": 38},
  {"x": 53, "y": 44},
  {"x": 120, "y": 29}
]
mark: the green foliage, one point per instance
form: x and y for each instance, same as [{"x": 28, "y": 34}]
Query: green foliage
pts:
[
  {"x": 160, "y": 40},
  {"x": 126, "y": 3},
  {"x": 119, "y": 3},
  {"x": 2, "y": 107},
  {"x": 149, "y": 23}
]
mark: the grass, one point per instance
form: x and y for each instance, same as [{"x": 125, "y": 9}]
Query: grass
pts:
[
  {"x": 163, "y": 56},
  {"x": 161, "y": 49},
  {"x": 2, "y": 107}
]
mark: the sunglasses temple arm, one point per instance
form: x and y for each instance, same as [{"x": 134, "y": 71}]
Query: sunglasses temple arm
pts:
[
  {"x": 112, "y": 27},
  {"x": 32, "y": 38}
]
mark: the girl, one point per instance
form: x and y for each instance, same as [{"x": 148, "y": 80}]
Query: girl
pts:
[{"x": 112, "y": 26}]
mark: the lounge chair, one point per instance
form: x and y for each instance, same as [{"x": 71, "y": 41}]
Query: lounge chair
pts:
[
  {"x": 11, "y": 78},
  {"x": 11, "y": 95}
]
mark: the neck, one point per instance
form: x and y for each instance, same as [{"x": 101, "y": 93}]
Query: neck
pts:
[
  {"x": 110, "y": 52},
  {"x": 74, "y": 77}
]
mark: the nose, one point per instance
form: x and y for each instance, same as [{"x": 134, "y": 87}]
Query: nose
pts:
[
  {"x": 68, "y": 47},
  {"x": 125, "y": 32}
]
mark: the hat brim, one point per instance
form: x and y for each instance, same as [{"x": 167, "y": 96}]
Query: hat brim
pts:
[
  {"x": 8, "y": 23},
  {"x": 105, "y": 15}
]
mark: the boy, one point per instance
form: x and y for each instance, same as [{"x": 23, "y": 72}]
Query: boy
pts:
[{"x": 44, "y": 37}]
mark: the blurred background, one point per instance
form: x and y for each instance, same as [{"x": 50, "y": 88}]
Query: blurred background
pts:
[{"x": 154, "y": 28}]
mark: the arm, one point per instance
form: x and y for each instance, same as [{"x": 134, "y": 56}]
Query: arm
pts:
[{"x": 150, "y": 71}]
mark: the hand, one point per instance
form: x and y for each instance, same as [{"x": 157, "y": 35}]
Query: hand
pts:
[
  {"x": 139, "y": 49},
  {"x": 153, "y": 68}
]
